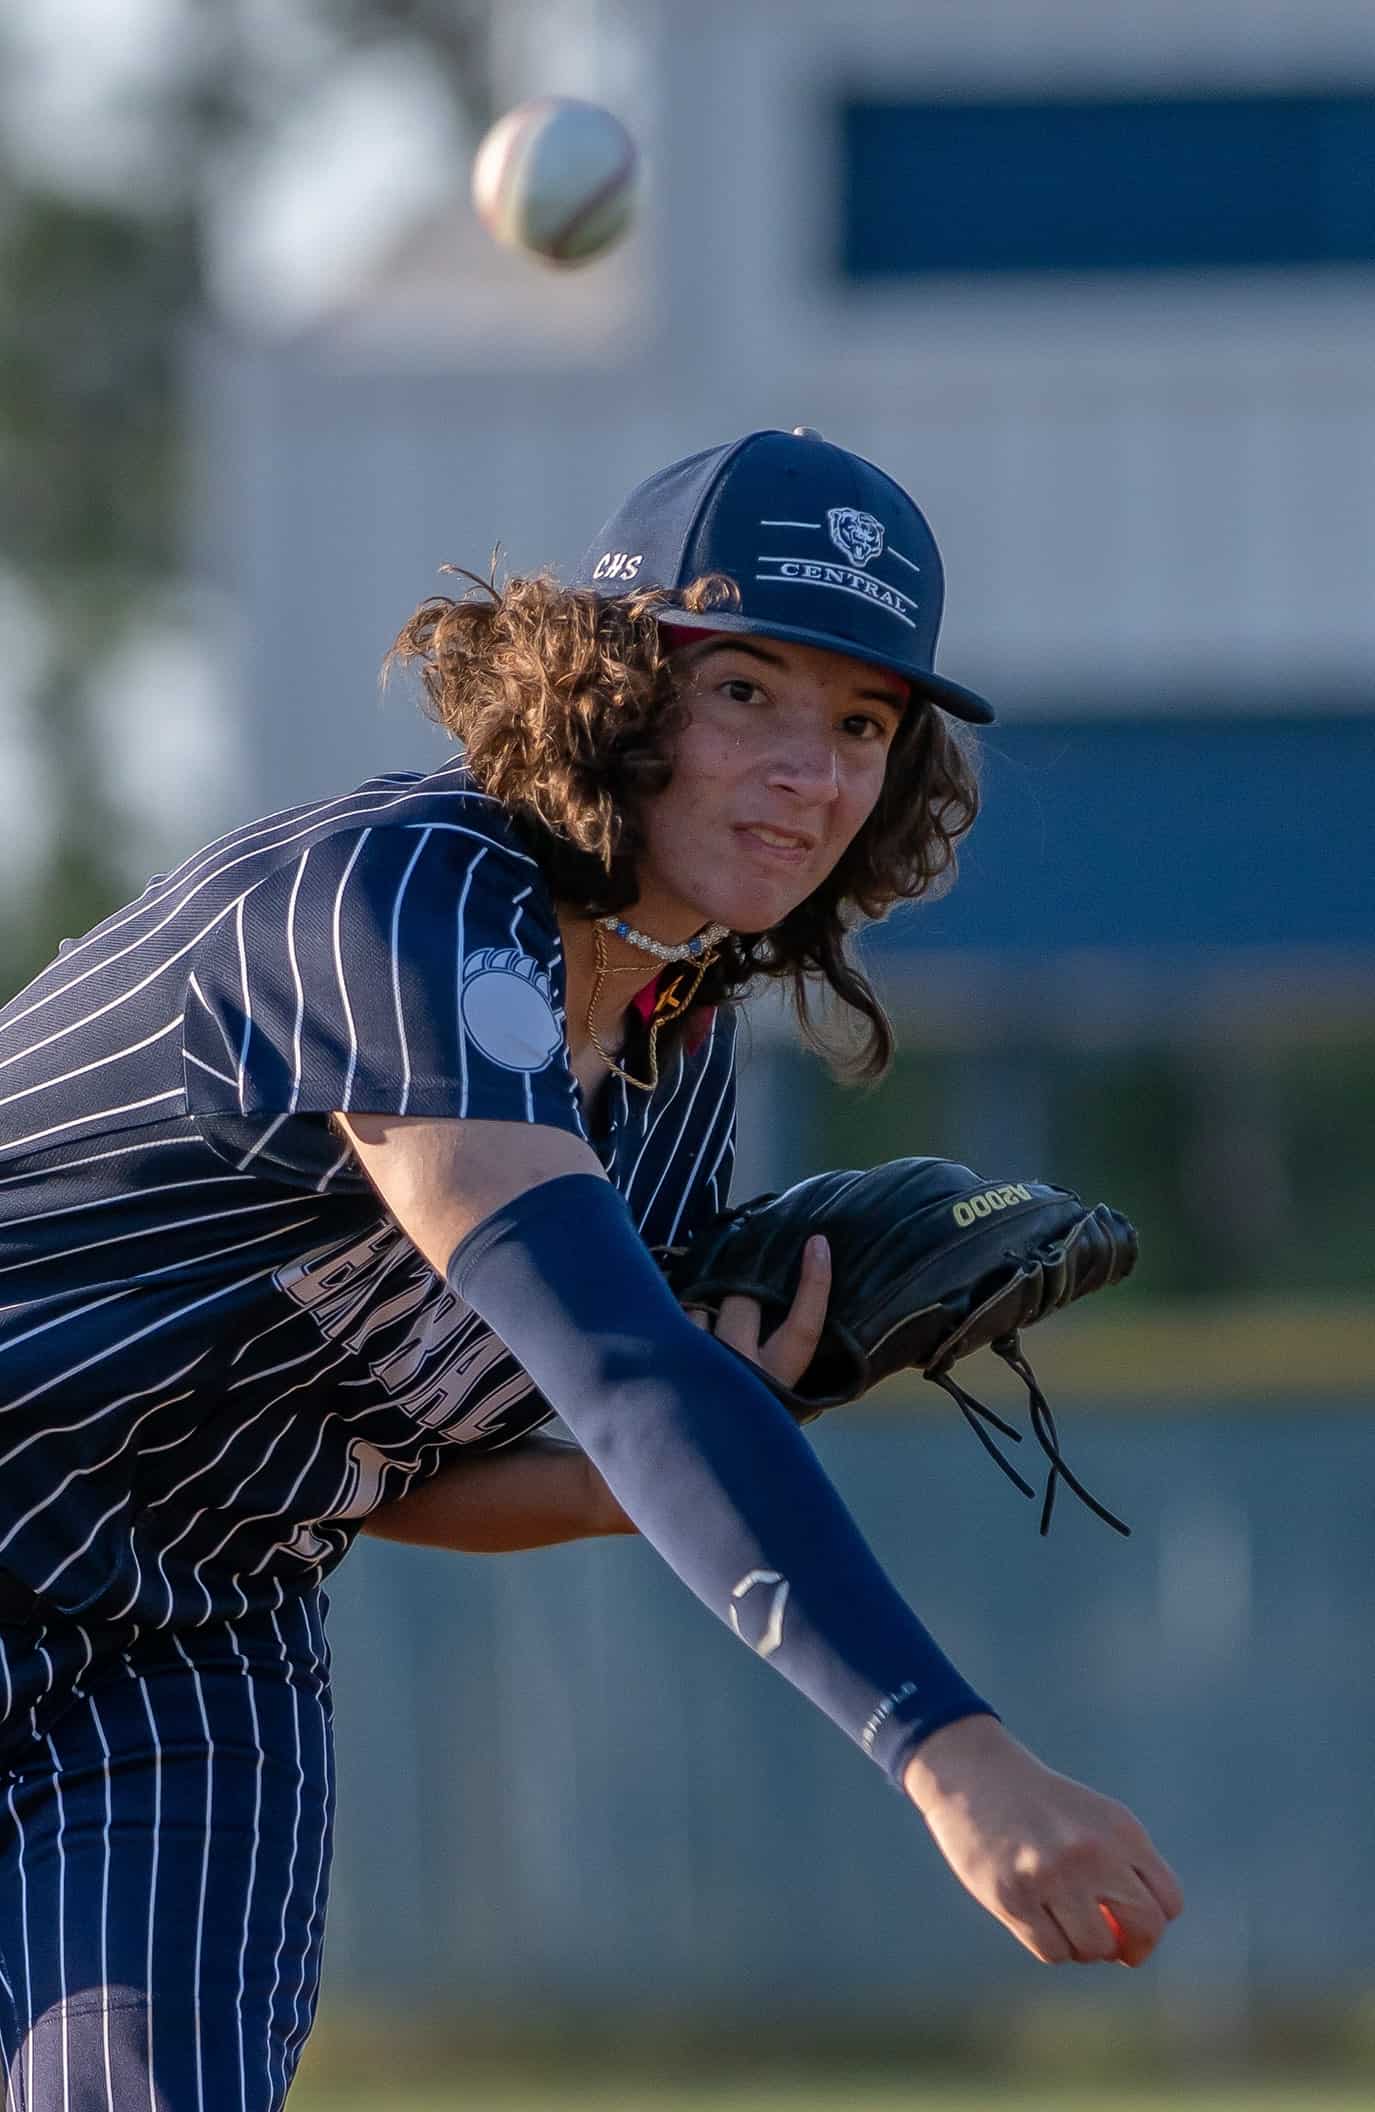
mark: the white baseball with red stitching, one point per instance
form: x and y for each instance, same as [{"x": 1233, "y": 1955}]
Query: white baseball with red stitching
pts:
[{"x": 557, "y": 177}]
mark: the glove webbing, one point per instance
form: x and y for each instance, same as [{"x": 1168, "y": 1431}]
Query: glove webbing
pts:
[{"x": 976, "y": 1413}]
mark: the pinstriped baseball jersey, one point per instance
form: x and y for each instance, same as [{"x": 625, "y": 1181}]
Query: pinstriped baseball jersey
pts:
[{"x": 218, "y": 1352}]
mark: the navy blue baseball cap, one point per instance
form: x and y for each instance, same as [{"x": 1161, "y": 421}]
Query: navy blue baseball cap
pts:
[{"x": 825, "y": 550}]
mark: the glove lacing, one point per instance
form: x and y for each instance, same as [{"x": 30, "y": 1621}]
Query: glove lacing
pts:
[{"x": 977, "y": 1413}]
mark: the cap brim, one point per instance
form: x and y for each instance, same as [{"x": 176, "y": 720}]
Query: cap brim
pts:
[{"x": 960, "y": 703}]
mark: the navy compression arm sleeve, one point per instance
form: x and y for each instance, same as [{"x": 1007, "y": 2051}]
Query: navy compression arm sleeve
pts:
[{"x": 706, "y": 1462}]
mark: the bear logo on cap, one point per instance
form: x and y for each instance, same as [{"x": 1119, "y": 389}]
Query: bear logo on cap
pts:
[{"x": 858, "y": 535}]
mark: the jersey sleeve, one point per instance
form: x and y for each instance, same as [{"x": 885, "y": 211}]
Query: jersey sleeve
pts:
[{"x": 409, "y": 970}]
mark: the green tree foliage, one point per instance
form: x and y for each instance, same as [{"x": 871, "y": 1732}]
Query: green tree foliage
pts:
[
  {"x": 96, "y": 299},
  {"x": 89, "y": 433}
]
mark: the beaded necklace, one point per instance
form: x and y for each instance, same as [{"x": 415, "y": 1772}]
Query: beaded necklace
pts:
[{"x": 674, "y": 998}]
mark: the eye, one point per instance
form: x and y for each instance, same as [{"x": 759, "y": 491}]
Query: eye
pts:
[
  {"x": 741, "y": 690},
  {"x": 862, "y": 726}
]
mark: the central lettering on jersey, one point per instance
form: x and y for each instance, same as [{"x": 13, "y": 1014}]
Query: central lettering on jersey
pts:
[
  {"x": 507, "y": 1005},
  {"x": 367, "y": 1481},
  {"x": 842, "y": 579},
  {"x": 429, "y": 1351}
]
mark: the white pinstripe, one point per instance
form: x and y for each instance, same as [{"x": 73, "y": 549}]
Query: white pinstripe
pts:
[
  {"x": 189, "y": 1056},
  {"x": 255, "y": 1518},
  {"x": 103, "y": 1114},
  {"x": 113, "y": 1004},
  {"x": 196, "y": 1516},
  {"x": 205, "y": 1860},
  {"x": 464, "y": 892},
  {"x": 242, "y": 1165},
  {"x": 119, "y": 1202},
  {"x": 24, "y": 1918},
  {"x": 47, "y": 1659},
  {"x": 84, "y": 1667},
  {"x": 282, "y": 1510},
  {"x": 154, "y": 1327},
  {"x": 142, "y": 1685},
  {"x": 517, "y": 904},
  {"x": 84, "y": 1070},
  {"x": 252, "y": 1856},
  {"x": 727, "y": 1137},
  {"x": 396, "y": 970},
  {"x": 176, "y": 1224},
  {"x": 148, "y": 1276},
  {"x": 97, "y": 1414},
  {"x": 99, "y": 1158},
  {"x": 204, "y": 862},
  {"x": 679, "y": 1076},
  {"x": 105, "y": 1907},
  {"x": 121, "y": 1503},
  {"x": 61, "y": 1320},
  {"x": 688, "y": 1185},
  {"x": 61, "y": 1921},
  {"x": 456, "y": 828},
  {"x": 247, "y": 1035},
  {"x": 316, "y": 1354},
  {"x": 296, "y": 2038},
  {"x": 340, "y": 1163},
  {"x": 291, "y": 1860},
  {"x": 339, "y": 971},
  {"x": 295, "y": 967},
  {"x": 173, "y": 1400},
  {"x": 682, "y": 1132},
  {"x": 218, "y": 872},
  {"x": 206, "y": 1005}
]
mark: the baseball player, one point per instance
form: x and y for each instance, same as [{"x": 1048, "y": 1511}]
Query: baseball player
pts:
[{"x": 330, "y": 1169}]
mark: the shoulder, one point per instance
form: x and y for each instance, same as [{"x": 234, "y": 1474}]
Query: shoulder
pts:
[
  {"x": 401, "y": 839},
  {"x": 386, "y": 815},
  {"x": 424, "y": 874}
]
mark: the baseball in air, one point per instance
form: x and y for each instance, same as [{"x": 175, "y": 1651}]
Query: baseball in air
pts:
[{"x": 558, "y": 178}]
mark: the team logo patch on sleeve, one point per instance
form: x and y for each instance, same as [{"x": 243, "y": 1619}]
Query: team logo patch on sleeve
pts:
[{"x": 508, "y": 1008}]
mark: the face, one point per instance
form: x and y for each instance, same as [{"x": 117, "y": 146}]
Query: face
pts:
[{"x": 777, "y": 770}]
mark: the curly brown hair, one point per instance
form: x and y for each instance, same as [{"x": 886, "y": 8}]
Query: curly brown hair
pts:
[{"x": 566, "y": 709}]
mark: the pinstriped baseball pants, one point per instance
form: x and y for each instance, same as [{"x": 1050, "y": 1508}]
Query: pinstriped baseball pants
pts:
[{"x": 164, "y": 1860}]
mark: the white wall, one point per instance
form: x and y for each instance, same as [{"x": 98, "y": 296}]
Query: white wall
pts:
[{"x": 1144, "y": 488}]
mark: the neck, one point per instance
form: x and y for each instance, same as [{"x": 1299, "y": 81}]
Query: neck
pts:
[{"x": 633, "y": 970}]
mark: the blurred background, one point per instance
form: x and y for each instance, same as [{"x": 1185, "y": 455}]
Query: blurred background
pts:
[{"x": 1098, "y": 285}]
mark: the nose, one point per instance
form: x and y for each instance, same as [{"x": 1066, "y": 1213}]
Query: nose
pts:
[{"x": 806, "y": 765}]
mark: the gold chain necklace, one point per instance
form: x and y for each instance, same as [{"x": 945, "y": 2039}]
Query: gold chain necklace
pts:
[{"x": 674, "y": 998}]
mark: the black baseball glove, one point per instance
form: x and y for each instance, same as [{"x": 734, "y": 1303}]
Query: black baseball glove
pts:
[{"x": 929, "y": 1262}]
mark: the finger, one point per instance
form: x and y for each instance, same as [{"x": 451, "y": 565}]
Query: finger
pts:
[
  {"x": 1041, "y": 1934},
  {"x": 699, "y": 1316},
  {"x": 738, "y": 1323},
  {"x": 1081, "y": 1922},
  {"x": 1162, "y": 1884},
  {"x": 1135, "y": 1925},
  {"x": 798, "y": 1335}
]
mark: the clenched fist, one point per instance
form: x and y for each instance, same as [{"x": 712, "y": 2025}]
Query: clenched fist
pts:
[{"x": 1070, "y": 1873}]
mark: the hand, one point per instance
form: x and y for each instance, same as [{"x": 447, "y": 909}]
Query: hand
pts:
[
  {"x": 1071, "y": 1874},
  {"x": 793, "y": 1343}
]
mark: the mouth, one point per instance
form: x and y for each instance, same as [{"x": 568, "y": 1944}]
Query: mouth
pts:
[{"x": 780, "y": 846}]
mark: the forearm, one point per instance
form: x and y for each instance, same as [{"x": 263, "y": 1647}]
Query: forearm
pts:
[
  {"x": 706, "y": 1461},
  {"x": 541, "y": 1493}
]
